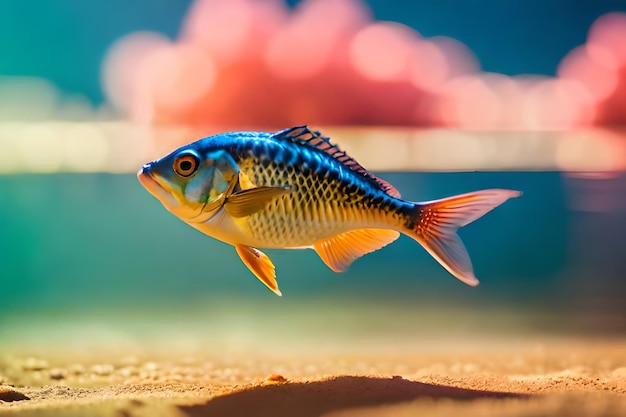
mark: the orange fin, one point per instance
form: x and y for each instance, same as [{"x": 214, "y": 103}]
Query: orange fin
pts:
[
  {"x": 339, "y": 251},
  {"x": 247, "y": 202},
  {"x": 260, "y": 265},
  {"x": 436, "y": 223},
  {"x": 313, "y": 138}
]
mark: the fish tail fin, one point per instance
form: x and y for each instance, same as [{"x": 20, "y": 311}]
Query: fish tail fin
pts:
[{"x": 434, "y": 226}]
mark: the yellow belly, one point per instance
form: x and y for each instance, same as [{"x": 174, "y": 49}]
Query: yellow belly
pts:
[{"x": 283, "y": 224}]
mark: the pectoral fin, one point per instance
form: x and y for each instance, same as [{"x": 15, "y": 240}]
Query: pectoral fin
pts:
[
  {"x": 247, "y": 202},
  {"x": 339, "y": 251},
  {"x": 260, "y": 265}
]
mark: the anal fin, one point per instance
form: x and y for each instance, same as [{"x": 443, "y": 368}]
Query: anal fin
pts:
[
  {"x": 339, "y": 251},
  {"x": 260, "y": 265}
]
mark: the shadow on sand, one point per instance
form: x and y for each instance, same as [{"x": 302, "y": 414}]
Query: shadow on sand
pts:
[{"x": 313, "y": 399}]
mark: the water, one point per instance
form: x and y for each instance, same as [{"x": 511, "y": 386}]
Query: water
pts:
[
  {"x": 92, "y": 253},
  {"x": 78, "y": 243}
]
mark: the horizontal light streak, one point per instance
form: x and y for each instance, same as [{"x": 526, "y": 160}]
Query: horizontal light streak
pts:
[{"x": 121, "y": 147}]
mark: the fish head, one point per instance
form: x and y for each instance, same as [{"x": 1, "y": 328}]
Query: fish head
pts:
[{"x": 190, "y": 182}]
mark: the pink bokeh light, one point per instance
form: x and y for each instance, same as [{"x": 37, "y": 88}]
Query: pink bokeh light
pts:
[
  {"x": 303, "y": 48},
  {"x": 268, "y": 66},
  {"x": 600, "y": 66},
  {"x": 246, "y": 63},
  {"x": 381, "y": 51}
]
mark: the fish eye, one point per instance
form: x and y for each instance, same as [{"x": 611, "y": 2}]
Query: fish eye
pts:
[{"x": 185, "y": 165}]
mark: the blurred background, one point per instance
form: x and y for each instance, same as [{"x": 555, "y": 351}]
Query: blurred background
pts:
[{"x": 438, "y": 97}]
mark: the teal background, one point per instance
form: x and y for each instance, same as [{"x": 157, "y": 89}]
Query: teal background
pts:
[
  {"x": 101, "y": 242},
  {"x": 82, "y": 242}
]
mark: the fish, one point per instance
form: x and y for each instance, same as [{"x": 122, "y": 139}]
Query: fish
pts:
[{"x": 295, "y": 189}]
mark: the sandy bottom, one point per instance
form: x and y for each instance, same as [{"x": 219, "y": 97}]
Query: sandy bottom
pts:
[{"x": 91, "y": 369}]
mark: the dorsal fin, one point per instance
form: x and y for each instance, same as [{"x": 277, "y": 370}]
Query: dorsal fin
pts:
[{"x": 313, "y": 138}]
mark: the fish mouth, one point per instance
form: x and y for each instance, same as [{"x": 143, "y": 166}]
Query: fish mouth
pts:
[
  {"x": 145, "y": 178},
  {"x": 154, "y": 187},
  {"x": 162, "y": 192}
]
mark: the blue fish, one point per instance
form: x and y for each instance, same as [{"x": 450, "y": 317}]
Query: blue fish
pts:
[{"x": 294, "y": 189}]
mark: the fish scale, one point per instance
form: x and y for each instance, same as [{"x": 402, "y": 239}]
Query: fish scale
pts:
[{"x": 310, "y": 212}]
